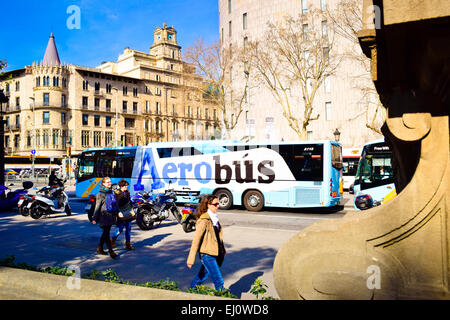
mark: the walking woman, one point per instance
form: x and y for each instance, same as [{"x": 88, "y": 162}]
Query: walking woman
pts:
[
  {"x": 125, "y": 216},
  {"x": 105, "y": 215},
  {"x": 208, "y": 241}
]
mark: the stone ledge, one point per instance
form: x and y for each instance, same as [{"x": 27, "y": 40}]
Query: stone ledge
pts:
[{"x": 18, "y": 284}]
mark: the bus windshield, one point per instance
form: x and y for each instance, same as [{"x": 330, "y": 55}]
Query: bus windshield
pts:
[{"x": 375, "y": 168}]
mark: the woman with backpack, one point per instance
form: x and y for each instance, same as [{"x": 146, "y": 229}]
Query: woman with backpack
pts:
[
  {"x": 125, "y": 215},
  {"x": 105, "y": 214}
]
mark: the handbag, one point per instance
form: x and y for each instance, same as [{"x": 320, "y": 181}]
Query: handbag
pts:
[{"x": 127, "y": 212}]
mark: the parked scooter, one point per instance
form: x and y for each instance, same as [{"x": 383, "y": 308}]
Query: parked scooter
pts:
[
  {"x": 159, "y": 209},
  {"x": 53, "y": 200},
  {"x": 23, "y": 204},
  {"x": 9, "y": 200}
]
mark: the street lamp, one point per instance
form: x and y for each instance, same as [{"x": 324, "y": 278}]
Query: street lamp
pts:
[
  {"x": 337, "y": 135},
  {"x": 117, "y": 114},
  {"x": 3, "y": 99},
  {"x": 34, "y": 139}
]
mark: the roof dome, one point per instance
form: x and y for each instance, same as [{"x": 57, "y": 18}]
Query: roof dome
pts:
[{"x": 51, "y": 57}]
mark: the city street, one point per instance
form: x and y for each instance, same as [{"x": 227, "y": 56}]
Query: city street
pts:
[{"x": 251, "y": 240}]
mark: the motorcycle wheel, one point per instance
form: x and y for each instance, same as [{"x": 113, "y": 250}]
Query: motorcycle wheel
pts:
[
  {"x": 144, "y": 220},
  {"x": 24, "y": 211},
  {"x": 176, "y": 213},
  {"x": 36, "y": 212},
  {"x": 68, "y": 210},
  {"x": 189, "y": 225}
]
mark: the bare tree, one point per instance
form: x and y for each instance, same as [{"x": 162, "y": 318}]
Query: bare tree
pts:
[
  {"x": 347, "y": 20},
  {"x": 215, "y": 65},
  {"x": 293, "y": 60}
]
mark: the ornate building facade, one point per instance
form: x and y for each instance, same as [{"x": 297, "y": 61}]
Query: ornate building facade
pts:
[{"x": 140, "y": 98}]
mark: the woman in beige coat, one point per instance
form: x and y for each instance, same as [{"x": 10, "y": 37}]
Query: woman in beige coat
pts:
[{"x": 208, "y": 241}]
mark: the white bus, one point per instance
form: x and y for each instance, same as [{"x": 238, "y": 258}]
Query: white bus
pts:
[{"x": 282, "y": 174}]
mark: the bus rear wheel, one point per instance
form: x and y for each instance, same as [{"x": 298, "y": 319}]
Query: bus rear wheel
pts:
[
  {"x": 225, "y": 199},
  {"x": 253, "y": 201}
]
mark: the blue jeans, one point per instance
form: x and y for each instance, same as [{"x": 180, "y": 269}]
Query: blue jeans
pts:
[
  {"x": 119, "y": 229},
  {"x": 209, "y": 267}
]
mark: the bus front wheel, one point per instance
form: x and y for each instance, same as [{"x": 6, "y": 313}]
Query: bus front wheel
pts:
[
  {"x": 253, "y": 201},
  {"x": 225, "y": 199}
]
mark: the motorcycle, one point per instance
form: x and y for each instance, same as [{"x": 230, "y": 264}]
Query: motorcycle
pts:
[
  {"x": 90, "y": 207},
  {"x": 9, "y": 200},
  {"x": 157, "y": 208},
  {"x": 52, "y": 201},
  {"x": 23, "y": 204}
]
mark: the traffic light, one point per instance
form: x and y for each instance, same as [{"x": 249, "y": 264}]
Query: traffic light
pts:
[
  {"x": 69, "y": 151},
  {"x": 31, "y": 157}
]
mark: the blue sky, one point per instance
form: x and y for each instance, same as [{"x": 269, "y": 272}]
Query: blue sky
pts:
[{"x": 106, "y": 27}]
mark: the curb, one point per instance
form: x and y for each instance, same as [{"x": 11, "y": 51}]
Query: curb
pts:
[{"x": 18, "y": 284}]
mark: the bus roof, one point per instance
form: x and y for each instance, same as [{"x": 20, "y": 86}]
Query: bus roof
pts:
[
  {"x": 374, "y": 141},
  {"x": 212, "y": 143}
]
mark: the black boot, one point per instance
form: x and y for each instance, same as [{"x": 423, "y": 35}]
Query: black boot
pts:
[
  {"x": 100, "y": 250},
  {"x": 112, "y": 254}
]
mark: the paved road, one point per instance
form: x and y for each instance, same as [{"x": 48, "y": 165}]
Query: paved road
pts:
[{"x": 252, "y": 241}]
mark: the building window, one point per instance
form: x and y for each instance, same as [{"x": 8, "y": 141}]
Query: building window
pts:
[
  {"x": 46, "y": 117},
  {"x": 158, "y": 108},
  {"x": 55, "y": 137},
  {"x": 108, "y": 121},
  {"x": 85, "y": 85},
  {"x": 125, "y": 90},
  {"x": 63, "y": 100},
  {"x": 56, "y": 81},
  {"x": 17, "y": 121},
  {"x": 17, "y": 85},
  {"x": 85, "y": 102},
  {"x": 244, "y": 21},
  {"x": 124, "y": 106},
  {"x": 63, "y": 118},
  {"x": 84, "y": 138},
  {"x": 108, "y": 88},
  {"x": 85, "y": 119},
  {"x": 17, "y": 101},
  {"x": 129, "y": 123},
  {"x": 147, "y": 106},
  {"x": 328, "y": 111},
  {"x": 229, "y": 6},
  {"x": 38, "y": 81},
  {"x": 324, "y": 29},
  {"x": 158, "y": 91},
  {"x": 304, "y": 7},
  {"x": 97, "y": 87},
  {"x": 28, "y": 139},
  {"x": 97, "y": 120},
  {"x": 245, "y": 43},
  {"x": 229, "y": 29},
  {"x": 135, "y": 107},
  {"x": 108, "y": 105},
  {"x": 135, "y": 92},
  {"x": 45, "y": 138},
  {"x": 97, "y": 138},
  {"x": 46, "y": 99},
  {"x": 108, "y": 138},
  {"x": 326, "y": 53},
  {"x": 327, "y": 84},
  {"x": 323, "y": 5},
  {"x": 97, "y": 104}
]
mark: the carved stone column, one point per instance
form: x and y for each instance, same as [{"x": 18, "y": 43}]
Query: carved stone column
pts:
[{"x": 399, "y": 250}]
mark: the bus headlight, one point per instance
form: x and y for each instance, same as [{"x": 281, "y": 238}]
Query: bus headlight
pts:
[{"x": 364, "y": 202}]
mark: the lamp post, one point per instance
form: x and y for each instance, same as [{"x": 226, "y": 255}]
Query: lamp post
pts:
[
  {"x": 3, "y": 99},
  {"x": 33, "y": 155},
  {"x": 337, "y": 135},
  {"x": 117, "y": 115}
]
